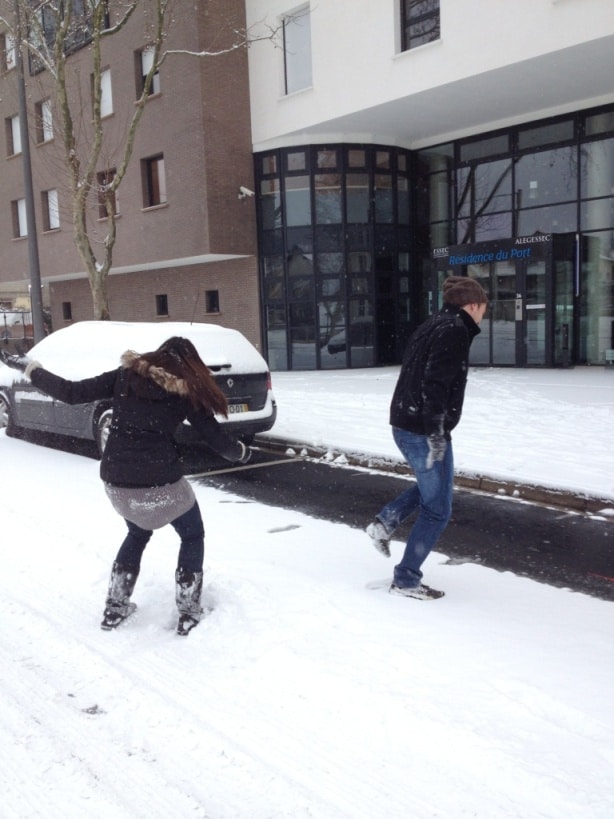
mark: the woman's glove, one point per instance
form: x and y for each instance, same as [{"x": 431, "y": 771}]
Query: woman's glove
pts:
[{"x": 16, "y": 362}]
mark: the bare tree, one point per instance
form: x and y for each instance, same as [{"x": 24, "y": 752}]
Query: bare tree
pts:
[{"x": 50, "y": 32}]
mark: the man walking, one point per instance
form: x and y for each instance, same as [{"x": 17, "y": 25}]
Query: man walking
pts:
[{"x": 426, "y": 406}]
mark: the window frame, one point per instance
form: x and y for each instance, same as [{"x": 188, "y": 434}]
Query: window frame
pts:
[
  {"x": 106, "y": 93},
  {"x": 44, "y": 122},
  {"x": 104, "y": 178},
  {"x": 297, "y": 52},
  {"x": 8, "y": 51},
  {"x": 409, "y": 23},
  {"x": 161, "y": 304},
  {"x": 154, "y": 183},
  {"x": 20, "y": 219},
  {"x": 51, "y": 210},
  {"x": 143, "y": 63},
  {"x": 79, "y": 36},
  {"x": 212, "y": 301},
  {"x": 13, "y": 136}
]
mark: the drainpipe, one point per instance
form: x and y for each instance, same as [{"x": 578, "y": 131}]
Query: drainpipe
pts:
[{"x": 36, "y": 296}]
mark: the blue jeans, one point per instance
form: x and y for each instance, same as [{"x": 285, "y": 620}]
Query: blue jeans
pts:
[
  {"x": 190, "y": 529},
  {"x": 431, "y": 495}
]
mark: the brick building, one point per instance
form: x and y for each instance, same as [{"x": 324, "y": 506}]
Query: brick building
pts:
[{"x": 186, "y": 247}]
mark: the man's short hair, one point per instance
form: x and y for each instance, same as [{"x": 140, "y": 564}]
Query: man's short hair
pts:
[{"x": 462, "y": 290}]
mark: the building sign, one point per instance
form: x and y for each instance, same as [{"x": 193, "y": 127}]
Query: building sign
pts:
[{"x": 502, "y": 250}]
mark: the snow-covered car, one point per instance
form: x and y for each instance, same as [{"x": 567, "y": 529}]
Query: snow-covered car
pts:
[{"x": 87, "y": 348}]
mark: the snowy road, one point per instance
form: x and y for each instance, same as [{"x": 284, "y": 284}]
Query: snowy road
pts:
[
  {"x": 303, "y": 694},
  {"x": 564, "y": 549}
]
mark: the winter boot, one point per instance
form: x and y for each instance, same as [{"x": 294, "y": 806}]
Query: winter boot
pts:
[
  {"x": 188, "y": 590},
  {"x": 117, "y": 605}
]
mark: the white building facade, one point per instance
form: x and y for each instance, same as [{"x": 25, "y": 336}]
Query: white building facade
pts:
[{"x": 396, "y": 141}]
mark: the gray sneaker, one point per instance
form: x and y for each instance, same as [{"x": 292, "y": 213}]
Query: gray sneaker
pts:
[
  {"x": 420, "y": 592},
  {"x": 380, "y": 537}
]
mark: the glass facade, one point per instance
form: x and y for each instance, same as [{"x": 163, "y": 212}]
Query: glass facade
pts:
[
  {"x": 549, "y": 178},
  {"x": 334, "y": 227},
  {"x": 348, "y": 232}
]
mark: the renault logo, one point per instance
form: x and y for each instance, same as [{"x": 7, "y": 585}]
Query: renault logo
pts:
[{"x": 230, "y": 383}]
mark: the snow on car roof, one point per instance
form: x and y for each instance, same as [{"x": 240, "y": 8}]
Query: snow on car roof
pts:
[{"x": 88, "y": 348}]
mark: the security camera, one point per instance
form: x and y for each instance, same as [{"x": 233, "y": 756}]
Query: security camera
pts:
[{"x": 243, "y": 192}]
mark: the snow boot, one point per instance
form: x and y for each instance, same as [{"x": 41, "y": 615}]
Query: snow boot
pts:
[
  {"x": 117, "y": 605},
  {"x": 188, "y": 590}
]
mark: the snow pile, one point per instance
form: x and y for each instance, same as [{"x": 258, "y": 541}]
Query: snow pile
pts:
[{"x": 541, "y": 427}]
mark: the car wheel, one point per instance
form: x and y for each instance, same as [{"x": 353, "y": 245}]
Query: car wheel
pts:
[
  {"x": 5, "y": 412},
  {"x": 103, "y": 426},
  {"x": 7, "y": 419}
]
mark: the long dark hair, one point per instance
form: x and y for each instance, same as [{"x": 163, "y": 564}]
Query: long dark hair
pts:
[{"x": 179, "y": 357}]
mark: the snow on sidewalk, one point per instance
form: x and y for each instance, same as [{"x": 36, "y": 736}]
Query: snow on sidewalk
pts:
[{"x": 549, "y": 428}]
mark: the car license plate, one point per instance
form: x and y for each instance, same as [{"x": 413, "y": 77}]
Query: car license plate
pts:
[{"x": 233, "y": 409}]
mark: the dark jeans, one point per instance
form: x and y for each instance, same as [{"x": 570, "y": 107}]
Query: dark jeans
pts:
[
  {"x": 190, "y": 529},
  {"x": 431, "y": 496}
]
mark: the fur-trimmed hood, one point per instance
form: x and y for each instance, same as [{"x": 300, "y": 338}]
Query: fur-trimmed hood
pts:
[{"x": 162, "y": 378}]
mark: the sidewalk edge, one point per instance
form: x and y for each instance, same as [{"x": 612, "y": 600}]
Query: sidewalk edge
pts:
[{"x": 548, "y": 496}]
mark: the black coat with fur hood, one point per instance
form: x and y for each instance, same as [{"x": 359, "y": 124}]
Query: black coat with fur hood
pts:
[
  {"x": 428, "y": 398},
  {"x": 148, "y": 406}
]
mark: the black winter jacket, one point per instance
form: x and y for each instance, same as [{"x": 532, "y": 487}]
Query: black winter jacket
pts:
[
  {"x": 148, "y": 406},
  {"x": 428, "y": 397}
]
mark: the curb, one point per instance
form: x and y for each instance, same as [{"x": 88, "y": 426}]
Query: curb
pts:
[{"x": 544, "y": 495}]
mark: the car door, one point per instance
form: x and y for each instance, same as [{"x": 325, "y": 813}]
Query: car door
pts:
[
  {"x": 75, "y": 420},
  {"x": 32, "y": 409}
]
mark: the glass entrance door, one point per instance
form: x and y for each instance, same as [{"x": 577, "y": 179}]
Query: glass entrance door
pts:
[
  {"x": 533, "y": 319},
  {"x": 514, "y": 329},
  {"x": 497, "y": 342},
  {"x": 521, "y": 322}
]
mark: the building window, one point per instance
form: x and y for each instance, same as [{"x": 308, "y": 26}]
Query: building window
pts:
[
  {"x": 7, "y": 51},
  {"x": 144, "y": 64},
  {"x": 601, "y": 123},
  {"x": 20, "y": 222},
  {"x": 420, "y": 23},
  {"x": 52, "y": 17},
  {"x": 44, "y": 121},
  {"x": 13, "y": 136},
  {"x": 105, "y": 178},
  {"x": 212, "y": 301},
  {"x": 51, "y": 211},
  {"x": 297, "y": 50},
  {"x": 106, "y": 93},
  {"x": 162, "y": 304},
  {"x": 67, "y": 310},
  {"x": 154, "y": 181},
  {"x": 484, "y": 200}
]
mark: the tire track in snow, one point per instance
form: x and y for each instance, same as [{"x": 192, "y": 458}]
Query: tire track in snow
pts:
[
  {"x": 146, "y": 731},
  {"x": 285, "y": 747},
  {"x": 65, "y": 762}
]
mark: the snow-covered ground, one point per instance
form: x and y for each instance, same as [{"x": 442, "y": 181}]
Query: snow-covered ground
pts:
[
  {"x": 549, "y": 428},
  {"x": 305, "y": 694}
]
